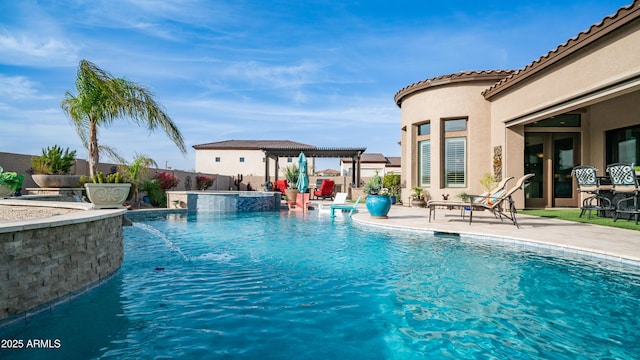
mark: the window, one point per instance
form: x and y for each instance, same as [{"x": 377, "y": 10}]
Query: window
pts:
[
  {"x": 455, "y": 161},
  {"x": 455, "y": 152},
  {"x": 424, "y": 129},
  {"x": 424, "y": 161},
  {"x": 455, "y": 125},
  {"x": 424, "y": 153},
  {"x": 217, "y": 158},
  {"x": 242, "y": 159},
  {"x": 289, "y": 160},
  {"x": 623, "y": 145}
]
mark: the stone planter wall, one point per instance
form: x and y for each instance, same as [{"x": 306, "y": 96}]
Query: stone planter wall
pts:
[{"x": 46, "y": 260}]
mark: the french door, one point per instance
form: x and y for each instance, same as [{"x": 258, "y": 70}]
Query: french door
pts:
[{"x": 551, "y": 157}]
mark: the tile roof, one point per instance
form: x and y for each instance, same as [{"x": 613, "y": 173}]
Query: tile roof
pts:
[
  {"x": 463, "y": 76},
  {"x": 394, "y": 161},
  {"x": 609, "y": 24},
  {"x": 375, "y": 158},
  {"x": 252, "y": 145}
]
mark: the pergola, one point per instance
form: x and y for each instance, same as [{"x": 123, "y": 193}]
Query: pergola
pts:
[{"x": 278, "y": 152}]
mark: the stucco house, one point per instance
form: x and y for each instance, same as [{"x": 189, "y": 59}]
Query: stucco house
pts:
[
  {"x": 233, "y": 157},
  {"x": 577, "y": 104}
]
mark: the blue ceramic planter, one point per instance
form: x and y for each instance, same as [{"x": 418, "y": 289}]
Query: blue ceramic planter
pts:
[{"x": 378, "y": 205}]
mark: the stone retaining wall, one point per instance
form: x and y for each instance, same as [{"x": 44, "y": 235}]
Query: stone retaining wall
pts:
[{"x": 41, "y": 262}]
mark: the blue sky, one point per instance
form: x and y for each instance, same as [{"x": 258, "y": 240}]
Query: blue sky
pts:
[{"x": 319, "y": 72}]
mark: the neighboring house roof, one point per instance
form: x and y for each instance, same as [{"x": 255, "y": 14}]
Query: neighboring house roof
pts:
[
  {"x": 375, "y": 158},
  {"x": 609, "y": 24},
  {"x": 328, "y": 171},
  {"x": 252, "y": 145},
  {"x": 395, "y": 161},
  {"x": 463, "y": 76}
]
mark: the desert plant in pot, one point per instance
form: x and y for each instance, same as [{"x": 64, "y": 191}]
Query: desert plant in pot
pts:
[
  {"x": 52, "y": 168},
  {"x": 378, "y": 201},
  {"x": 9, "y": 182},
  {"x": 292, "y": 173},
  {"x": 417, "y": 197},
  {"x": 108, "y": 192}
]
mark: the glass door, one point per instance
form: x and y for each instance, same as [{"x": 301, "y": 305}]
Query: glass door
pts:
[
  {"x": 565, "y": 151},
  {"x": 551, "y": 157},
  {"x": 534, "y": 163}
]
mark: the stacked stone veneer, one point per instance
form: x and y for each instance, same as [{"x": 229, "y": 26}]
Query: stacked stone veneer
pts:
[
  {"x": 242, "y": 201},
  {"x": 42, "y": 263}
]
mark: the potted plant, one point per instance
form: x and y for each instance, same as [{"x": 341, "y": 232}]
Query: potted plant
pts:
[
  {"x": 292, "y": 173},
  {"x": 52, "y": 168},
  {"x": 9, "y": 182},
  {"x": 155, "y": 194},
  {"x": 392, "y": 182},
  {"x": 108, "y": 192},
  {"x": 417, "y": 197},
  {"x": 378, "y": 201}
]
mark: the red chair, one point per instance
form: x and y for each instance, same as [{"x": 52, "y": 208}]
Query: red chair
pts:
[
  {"x": 280, "y": 185},
  {"x": 325, "y": 191}
]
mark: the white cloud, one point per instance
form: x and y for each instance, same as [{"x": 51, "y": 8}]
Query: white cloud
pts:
[
  {"x": 19, "y": 87},
  {"x": 25, "y": 48}
]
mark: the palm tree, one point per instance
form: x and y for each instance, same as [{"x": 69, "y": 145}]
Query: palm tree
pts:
[
  {"x": 136, "y": 172},
  {"x": 101, "y": 99}
]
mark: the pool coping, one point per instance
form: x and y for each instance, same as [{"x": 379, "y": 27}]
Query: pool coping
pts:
[
  {"x": 84, "y": 213},
  {"x": 563, "y": 237}
]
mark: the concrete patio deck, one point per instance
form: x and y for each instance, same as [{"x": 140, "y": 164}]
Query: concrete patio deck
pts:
[{"x": 570, "y": 237}]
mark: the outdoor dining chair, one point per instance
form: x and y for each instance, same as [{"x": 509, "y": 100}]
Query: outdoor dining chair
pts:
[
  {"x": 589, "y": 183},
  {"x": 625, "y": 181}
]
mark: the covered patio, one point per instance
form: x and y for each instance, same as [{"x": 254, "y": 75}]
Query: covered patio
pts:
[{"x": 277, "y": 152}]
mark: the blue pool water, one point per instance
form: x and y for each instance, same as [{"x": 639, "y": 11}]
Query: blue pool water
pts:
[{"x": 281, "y": 286}]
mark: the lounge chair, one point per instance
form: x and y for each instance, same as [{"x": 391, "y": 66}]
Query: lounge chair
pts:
[
  {"x": 486, "y": 197},
  {"x": 589, "y": 183},
  {"x": 501, "y": 205},
  {"x": 340, "y": 199},
  {"x": 326, "y": 190},
  {"x": 345, "y": 207}
]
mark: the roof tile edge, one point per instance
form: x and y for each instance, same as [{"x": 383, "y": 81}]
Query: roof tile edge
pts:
[
  {"x": 462, "y": 76},
  {"x": 623, "y": 16}
]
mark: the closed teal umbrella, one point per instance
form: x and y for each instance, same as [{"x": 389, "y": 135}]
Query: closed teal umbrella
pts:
[{"x": 303, "y": 179}]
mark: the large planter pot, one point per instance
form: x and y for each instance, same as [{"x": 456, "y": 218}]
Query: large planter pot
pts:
[
  {"x": 107, "y": 196},
  {"x": 6, "y": 191},
  {"x": 418, "y": 203},
  {"x": 378, "y": 206},
  {"x": 291, "y": 194},
  {"x": 56, "y": 181}
]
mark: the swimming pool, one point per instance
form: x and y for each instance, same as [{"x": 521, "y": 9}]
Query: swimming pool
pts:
[{"x": 279, "y": 285}]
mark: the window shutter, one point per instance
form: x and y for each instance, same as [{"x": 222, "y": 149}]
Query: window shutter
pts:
[
  {"x": 425, "y": 163},
  {"x": 455, "y": 161}
]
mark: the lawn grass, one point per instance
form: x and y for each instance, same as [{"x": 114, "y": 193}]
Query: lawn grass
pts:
[{"x": 572, "y": 215}]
